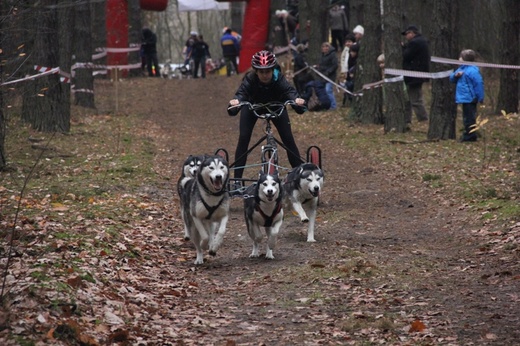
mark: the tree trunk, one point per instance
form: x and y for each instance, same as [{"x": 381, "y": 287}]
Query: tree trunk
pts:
[
  {"x": 313, "y": 26},
  {"x": 43, "y": 97},
  {"x": 395, "y": 95},
  {"x": 443, "y": 111},
  {"x": 3, "y": 160},
  {"x": 84, "y": 78},
  {"x": 509, "y": 55},
  {"x": 98, "y": 31},
  {"x": 134, "y": 35},
  {"x": 368, "y": 108}
]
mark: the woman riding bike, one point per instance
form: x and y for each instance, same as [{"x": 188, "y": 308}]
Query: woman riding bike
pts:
[{"x": 265, "y": 83}]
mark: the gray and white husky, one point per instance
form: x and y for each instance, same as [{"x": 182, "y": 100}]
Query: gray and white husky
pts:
[
  {"x": 263, "y": 209},
  {"x": 302, "y": 188},
  {"x": 206, "y": 201},
  {"x": 189, "y": 171}
]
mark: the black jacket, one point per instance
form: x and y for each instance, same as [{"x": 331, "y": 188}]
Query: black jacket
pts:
[
  {"x": 416, "y": 57},
  {"x": 279, "y": 89},
  {"x": 329, "y": 64},
  {"x": 149, "y": 44}
]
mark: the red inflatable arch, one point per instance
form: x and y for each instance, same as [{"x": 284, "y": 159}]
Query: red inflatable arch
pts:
[{"x": 117, "y": 26}]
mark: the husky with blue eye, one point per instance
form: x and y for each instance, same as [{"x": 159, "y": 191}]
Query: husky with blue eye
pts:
[
  {"x": 263, "y": 209},
  {"x": 206, "y": 204},
  {"x": 302, "y": 188},
  {"x": 189, "y": 171}
]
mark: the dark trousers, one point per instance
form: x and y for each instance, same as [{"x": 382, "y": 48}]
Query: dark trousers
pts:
[
  {"x": 247, "y": 125},
  {"x": 199, "y": 62},
  {"x": 151, "y": 60},
  {"x": 469, "y": 117},
  {"x": 337, "y": 37},
  {"x": 231, "y": 60},
  {"x": 416, "y": 103}
]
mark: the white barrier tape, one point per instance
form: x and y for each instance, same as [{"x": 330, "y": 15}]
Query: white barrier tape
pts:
[
  {"x": 52, "y": 71},
  {"x": 133, "y": 47},
  {"x": 481, "y": 64},
  {"x": 91, "y": 65},
  {"x": 99, "y": 55},
  {"x": 381, "y": 82},
  {"x": 81, "y": 90},
  {"x": 418, "y": 74}
]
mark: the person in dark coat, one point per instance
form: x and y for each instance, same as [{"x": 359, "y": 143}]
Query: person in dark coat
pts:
[
  {"x": 300, "y": 67},
  {"x": 318, "y": 86},
  {"x": 230, "y": 50},
  {"x": 199, "y": 54},
  {"x": 265, "y": 83},
  {"x": 149, "y": 51},
  {"x": 416, "y": 57}
]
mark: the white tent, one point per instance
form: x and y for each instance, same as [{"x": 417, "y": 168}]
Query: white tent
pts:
[{"x": 201, "y": 5}]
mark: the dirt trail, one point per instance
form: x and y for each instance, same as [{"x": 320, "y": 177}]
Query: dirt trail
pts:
[{"x": 385, "y": 256}]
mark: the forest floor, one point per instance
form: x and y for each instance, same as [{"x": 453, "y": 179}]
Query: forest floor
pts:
[{"x": 401, "y": 257}]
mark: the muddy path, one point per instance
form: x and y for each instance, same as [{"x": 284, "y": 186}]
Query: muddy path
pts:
[{"x": 391, "y": 265}]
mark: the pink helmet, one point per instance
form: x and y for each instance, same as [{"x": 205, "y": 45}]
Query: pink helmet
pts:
[{"x": 263, "y": 59}]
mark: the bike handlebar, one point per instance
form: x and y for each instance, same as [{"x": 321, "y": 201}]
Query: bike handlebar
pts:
[{"x": 271, "y": 109}]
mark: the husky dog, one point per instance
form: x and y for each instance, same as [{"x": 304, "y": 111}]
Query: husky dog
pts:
[
  {"x": 206, "y": 202},
  {"x": 189, "y": 171},
  {"x": 302, "y": 187},
  {"x": 263, "y": 208}
]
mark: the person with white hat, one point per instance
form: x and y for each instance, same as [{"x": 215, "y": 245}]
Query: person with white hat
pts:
[{"x": 358, "y": 31}]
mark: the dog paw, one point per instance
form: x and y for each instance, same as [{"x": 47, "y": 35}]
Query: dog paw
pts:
[
  {"x": 198, "y": 261},
  {"x": 305, "y": 220},
  {"x": 212, "y": 253},
  {"x": 254, "y": 255},
  {"x": 269, "y": 255},
  {"x": 311, "y": 240}
]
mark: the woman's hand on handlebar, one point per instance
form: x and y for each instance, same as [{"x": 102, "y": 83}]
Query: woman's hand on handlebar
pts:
[
  {"x": 300, "y": 101},
  {"x": 232, "y": 107}
]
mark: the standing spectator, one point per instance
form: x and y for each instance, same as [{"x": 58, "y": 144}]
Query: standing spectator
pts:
[
  {"x": 200, "y": 52},
  {"x": 350, "y": 39},
  {"x": 188, "y": 46},
  {"x": 358, "y": 32},
  {"x": 288, "y": 24},
  {"x": 416, "y": 57},
  {"x": 230, "y": 50},
  {"x": 351, "y": 72},
  {"x": 338, "y": 26},
  {"x": 329, "y": 66},
  {"x": 149, "y": 49},
  {"x": 468, "y": 92}
]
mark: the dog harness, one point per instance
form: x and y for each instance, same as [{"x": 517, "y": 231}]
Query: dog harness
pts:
[
  {"x": 209, "y": 208},
  {"x": 269, "y": 219}
]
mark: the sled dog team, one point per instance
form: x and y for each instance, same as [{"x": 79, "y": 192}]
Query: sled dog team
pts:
[{"x": 205, "y": 201}]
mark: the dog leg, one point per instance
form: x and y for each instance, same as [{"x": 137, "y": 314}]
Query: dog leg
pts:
[
  {"x": 256, "y": 235},
  {"x": 298, "y": 208},
  {"x": 272, "y": 235},
  {"x": 200, "y": 254},
  {"x": 219, "y": 237},
  {"x": 312, "y": 221},
  {"x": 202, "y": 234}
]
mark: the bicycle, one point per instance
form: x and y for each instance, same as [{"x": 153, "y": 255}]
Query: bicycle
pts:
[{"x": 269, "y": 151}]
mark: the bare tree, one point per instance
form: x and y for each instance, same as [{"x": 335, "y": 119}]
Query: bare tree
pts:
[
  {"x": 83, "y": 79},
  {"x": 395, "y": 95},
  {"x": 368, "y": 108},
  {"x": 509, "y": 55},
  {"x": 443, "y": 110},
  {"x": 43, "y": 97},
  {"x": 134, "y": 34}
]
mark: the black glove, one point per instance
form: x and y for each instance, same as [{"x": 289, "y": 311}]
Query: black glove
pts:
[
  {"x": 233, "y": 111},
  {"x": 299, "y": 109}
]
